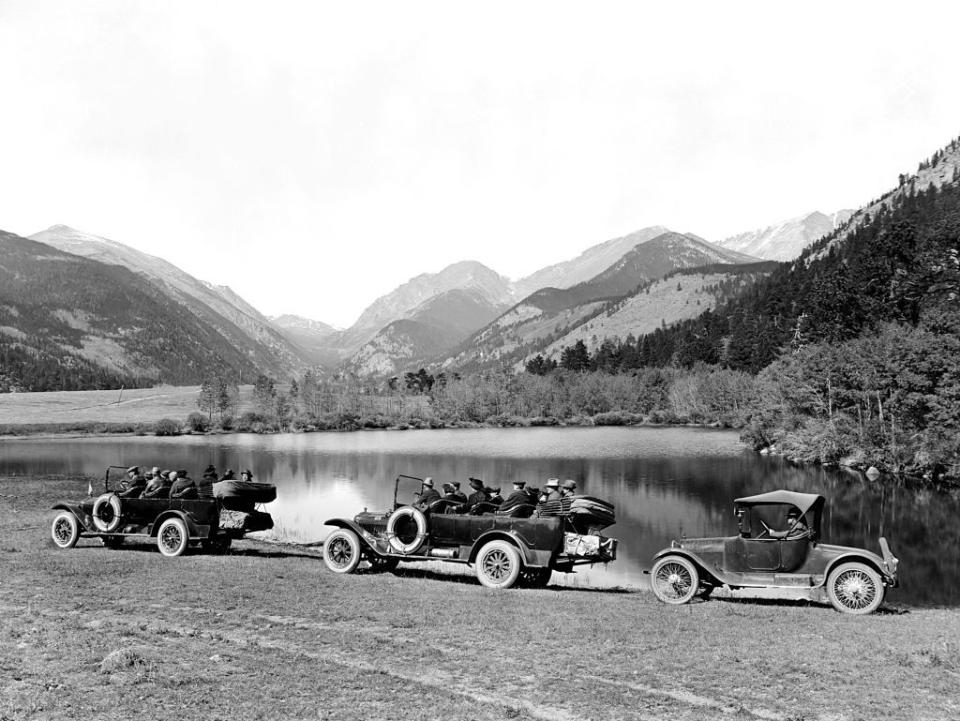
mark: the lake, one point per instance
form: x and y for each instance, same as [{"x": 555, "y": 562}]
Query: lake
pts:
[{"x": 664, "y": 482}]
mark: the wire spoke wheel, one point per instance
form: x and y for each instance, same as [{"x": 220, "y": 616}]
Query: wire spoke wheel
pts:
[
  {"x": 674, "y": 580},
  {"x": 855, "y": 588}
]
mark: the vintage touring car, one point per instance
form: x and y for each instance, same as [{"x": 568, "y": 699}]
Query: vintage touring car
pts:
[
  {"x": 778, "y": 554},
  {"x": 175, "y": 523},
  {"x": 524, "y": 545}
]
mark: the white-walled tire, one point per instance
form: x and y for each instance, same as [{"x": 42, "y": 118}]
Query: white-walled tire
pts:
[
  {"x": 173, "y": 538},
  {"x": 341, "y": 551},
  {"x": 674, "y": 580},
  {"x": 106, "y": 513},
  {"x": 65, "y": 530},
  {"x": 498, "y": 564}
]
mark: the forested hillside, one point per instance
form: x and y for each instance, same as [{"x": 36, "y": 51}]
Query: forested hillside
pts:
[{"x": 68, "y": 323}]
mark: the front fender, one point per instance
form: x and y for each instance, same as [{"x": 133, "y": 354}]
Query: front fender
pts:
[
  {"x": 76, "y": 511},
  {"x": 701, "y": 565},
  {"x": 366, "y": 538}
]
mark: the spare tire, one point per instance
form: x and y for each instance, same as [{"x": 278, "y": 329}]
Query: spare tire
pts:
[
  {"x": 106, "y": 513},
  {"x": 417, "y": 516}
]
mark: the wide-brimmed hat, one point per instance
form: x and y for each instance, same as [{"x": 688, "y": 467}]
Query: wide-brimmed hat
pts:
[
  {"x": 164, "y": 473},
  {"x": 476, "y": 483},
  {"x": 569, "y": 484},
  {"x": 553, "y": 483},
  {"x": 428, "y": 482},
  {"x": 447, "y": 487},
  {"x": 133, "y": 469},
  {"x": 248, "y": 472},
  {"x": 519, "y": 484},
  {"x": 455, "y": 484}
]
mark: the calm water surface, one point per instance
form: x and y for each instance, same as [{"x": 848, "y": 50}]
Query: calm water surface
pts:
[{"x": 664, "y": 483}]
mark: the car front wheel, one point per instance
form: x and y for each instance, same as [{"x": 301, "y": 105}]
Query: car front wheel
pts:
[
  {"x": 341, "y": 551},
  {"x": 674, "y": 580},
  {"x": 855, "y": 588},
  {"x": 498, "y": 564},
  {"x": 65, "y": 530},
  {"x": 172, "y": 538}
]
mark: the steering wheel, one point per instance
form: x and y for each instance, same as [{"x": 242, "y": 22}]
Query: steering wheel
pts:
[{"x": 767, "y": 531}]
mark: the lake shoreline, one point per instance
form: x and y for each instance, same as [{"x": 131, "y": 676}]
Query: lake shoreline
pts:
[
  {"x": 100, "y": 633},
  {"x": 98, "y": 430}
]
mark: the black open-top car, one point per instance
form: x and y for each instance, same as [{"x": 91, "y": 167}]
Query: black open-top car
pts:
[
  {"x": 175, "y": 523},
  {"x": 778, "y": 554},
  {"x": 525, "y": 544}
]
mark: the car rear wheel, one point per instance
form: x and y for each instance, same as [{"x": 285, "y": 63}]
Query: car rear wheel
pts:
[
  {"x": 498, "y": 564},
  {"x": 855, "y": 588},
  {"x": 65, "y": 530},
  {"x": 172, "y": 538},
  {"x": 341, "y": 551},
  {"x": 674, "y": 580}
]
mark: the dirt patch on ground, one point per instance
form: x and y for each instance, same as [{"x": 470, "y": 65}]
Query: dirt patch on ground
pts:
[{"x": 267, "y": 633}]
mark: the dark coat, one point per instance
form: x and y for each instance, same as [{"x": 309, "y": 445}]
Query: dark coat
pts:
[
  {"x": 183, "y": 488},
  {"x": 517, "y": 498},
  {"x": 428, "y": 496},
  {"x": 132, "y": 487},
  {"x": 161, "y": 489}
]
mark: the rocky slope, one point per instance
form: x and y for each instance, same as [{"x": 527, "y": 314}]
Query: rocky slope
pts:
[
  {"x": 69, "y": 322},
  {"x": 786, "y": 240},
  {"x": 547, "y": 315},
  {"x": 219, "y": 306}
]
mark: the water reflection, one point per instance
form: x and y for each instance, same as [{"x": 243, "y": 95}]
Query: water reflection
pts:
[{"x": 664, "y": 483}]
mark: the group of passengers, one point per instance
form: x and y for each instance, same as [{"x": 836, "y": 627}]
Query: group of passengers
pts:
[
  {"x": 521, "y": 495},
  {"x": 173, "y": 484}
]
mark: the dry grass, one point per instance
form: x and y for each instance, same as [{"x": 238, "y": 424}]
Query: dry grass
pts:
[{"x": 269, "y": 633}]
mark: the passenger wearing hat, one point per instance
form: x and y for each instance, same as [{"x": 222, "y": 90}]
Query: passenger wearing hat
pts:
[
  {"x": 493, "y": 496},
  {"x": 552, "y": 491},
  {"x": 458, "y": 495},
  {"x": 159, "y": 487},
  {"x": 428, "y": 494},
  {"x": 229, "y": 475},
  {"x": 569, "y": 488},
  {"x": 246, "y": 475},
  {"x": 132, "y": 486},
  {"x": 478, "y": 496},
  {"x": 205, "y": 485},
  {"x": 518, "y": 497}
]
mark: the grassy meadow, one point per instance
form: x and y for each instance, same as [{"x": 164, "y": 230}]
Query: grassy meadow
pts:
[{"x": 267, "y": 632}]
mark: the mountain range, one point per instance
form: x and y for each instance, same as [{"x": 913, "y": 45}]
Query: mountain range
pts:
[{"x": 464, "y": 316}]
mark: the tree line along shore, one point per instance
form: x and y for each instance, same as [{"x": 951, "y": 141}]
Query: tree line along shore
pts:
[{"x": 857, "y": 404}]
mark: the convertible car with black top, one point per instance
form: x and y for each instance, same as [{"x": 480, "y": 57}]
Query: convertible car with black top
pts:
[
  {"x": 777, "y": 554},
  {"x": 524, "y": 545},
  {"x": 175, "y": 523}
]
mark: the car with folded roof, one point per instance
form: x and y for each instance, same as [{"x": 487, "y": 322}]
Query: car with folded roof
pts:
[
  {"x": 173, "y": 523},
  {"x": 778, "y": 553},
  {"x": 523, "y": 545}
]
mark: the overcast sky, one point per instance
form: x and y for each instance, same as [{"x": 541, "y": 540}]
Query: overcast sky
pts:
[{"x": 315, "y": 155}]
